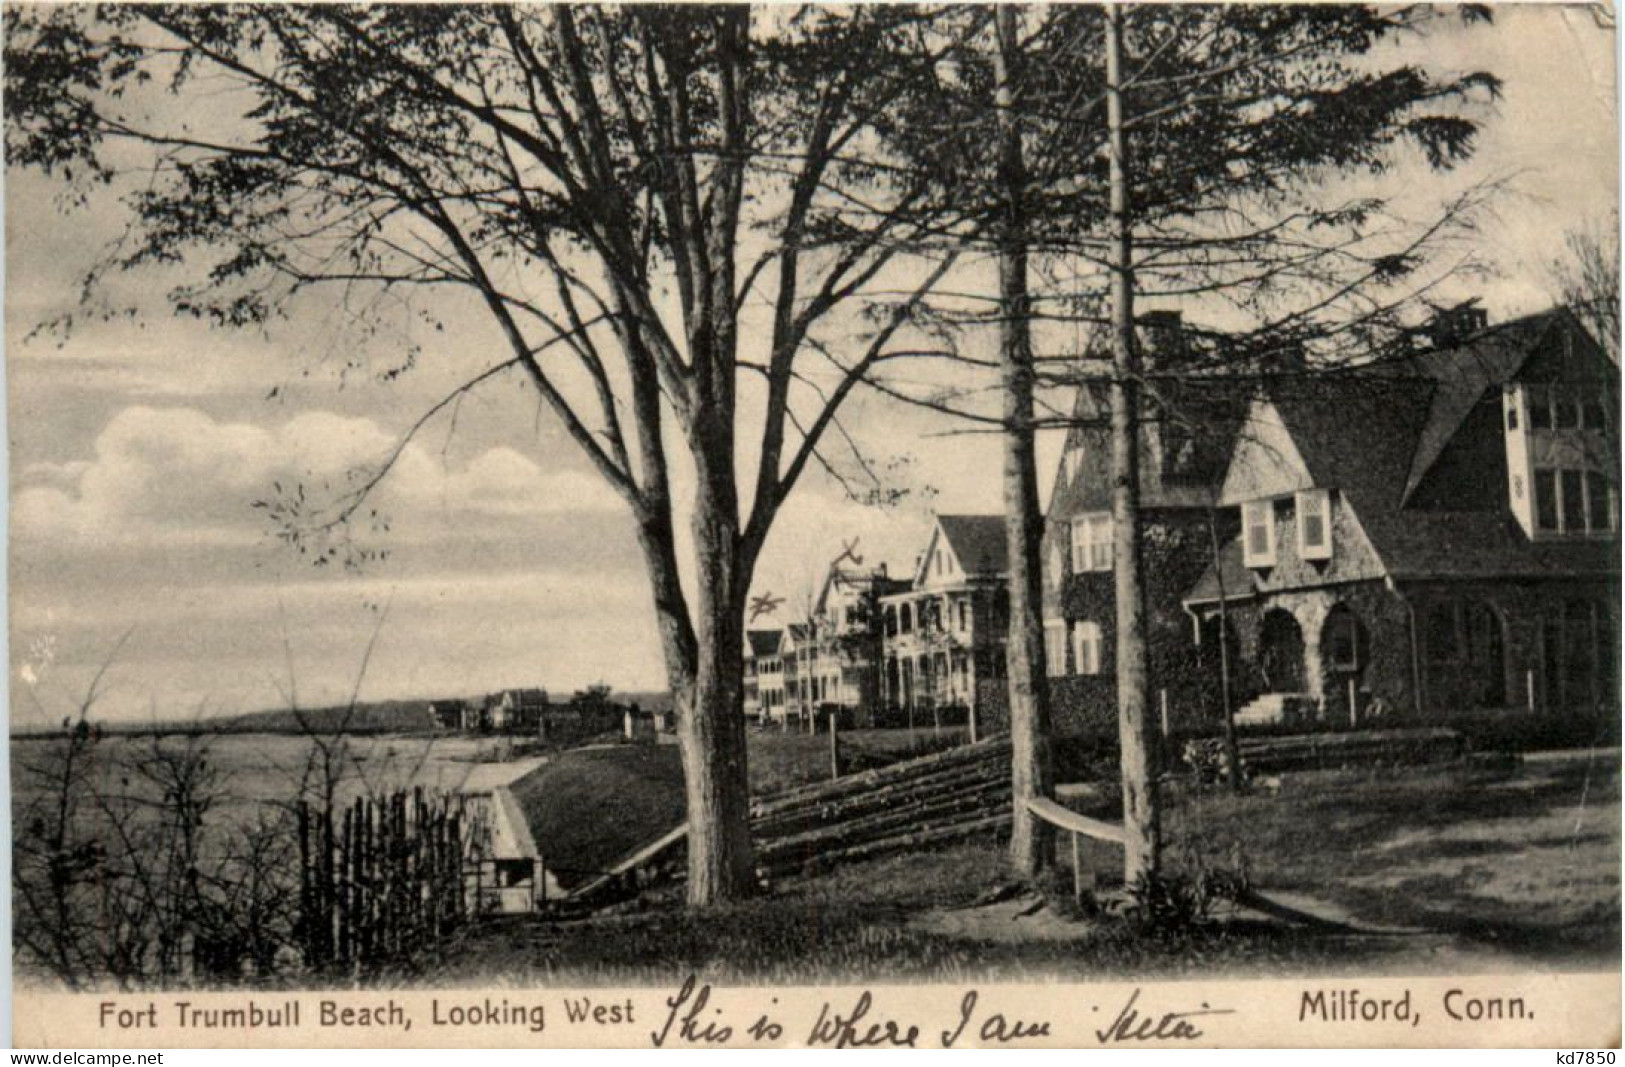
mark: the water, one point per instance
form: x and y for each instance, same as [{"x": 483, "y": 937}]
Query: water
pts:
[{"x": 247, "y": 772}]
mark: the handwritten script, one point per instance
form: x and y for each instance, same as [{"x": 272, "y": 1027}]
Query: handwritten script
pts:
[{"x": 695, "y": 1019}]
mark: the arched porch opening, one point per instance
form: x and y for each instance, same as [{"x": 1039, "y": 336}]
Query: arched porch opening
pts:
[{"x": 1280, "y": 653}]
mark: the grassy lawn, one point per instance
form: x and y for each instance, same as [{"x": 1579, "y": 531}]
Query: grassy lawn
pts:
[
  {"x": 780, "y": 760},
  {"x": 589, "y": 807},
  {"x": 866, "y": 921},
  {"x": 1424, "y": 869},
  {"x": 1522, "y": 859}
]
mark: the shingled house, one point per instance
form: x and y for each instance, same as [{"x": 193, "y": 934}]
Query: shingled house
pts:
[
  {"x": 1192, "y": 414},
  {"x": 1431, "y": 536}
]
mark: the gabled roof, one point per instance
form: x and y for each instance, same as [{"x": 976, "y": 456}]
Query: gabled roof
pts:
[
  {"x": 797, "y": 633},
  {"x": 525, "y": 697},
  {"x": 1237, "y": 581},
  {"x": 1372, "y": 433},
  {"x": 978, "y": 542},
  {"x": 1205, "y": 394},
  {"x": 762, "y": 642},
  {"x": 870, "y": 581},
  {"x": 1462, "y": 374}
]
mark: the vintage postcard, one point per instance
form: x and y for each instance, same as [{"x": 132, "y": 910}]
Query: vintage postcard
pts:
[{"x": 677, "y": 525}]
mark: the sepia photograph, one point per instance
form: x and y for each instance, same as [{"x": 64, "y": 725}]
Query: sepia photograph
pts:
[{"x": 809, "y": 525}]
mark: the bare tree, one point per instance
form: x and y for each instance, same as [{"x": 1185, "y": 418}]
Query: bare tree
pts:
[
  {"x": 563, "y": 168},
  {"x": 1587, "y": 279},
  {"x": 1187, "y": 166},
  {"x": 1029, "y": 695},
  {"x": 1141, "y": 818}
]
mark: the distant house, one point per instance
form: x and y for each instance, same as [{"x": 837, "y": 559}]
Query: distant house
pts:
[
  {"x": 639, "y": 726},
  {"x": 518, "y": 711},
  {"x": 1431, "y": 536},
  {"x": 944, "y": 632},
  {"x": 798, "y": 660},
  {"x": 764, "y": 677},
  {"x": 446, "y": 714},
  {"x": 848, "y": 626}
]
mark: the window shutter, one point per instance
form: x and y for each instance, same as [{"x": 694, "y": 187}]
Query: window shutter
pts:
[
  {"x": 1258, "y": 533},
  {"x": 1314, "y": 508}
]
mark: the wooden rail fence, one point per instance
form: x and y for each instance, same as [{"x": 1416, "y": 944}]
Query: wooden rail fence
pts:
[{"x": 1078, "y": 826}]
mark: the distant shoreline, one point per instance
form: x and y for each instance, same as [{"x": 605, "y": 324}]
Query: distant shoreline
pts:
[
  {"x": 236, "y": 729},
  {"x": 409, "y": 718}
]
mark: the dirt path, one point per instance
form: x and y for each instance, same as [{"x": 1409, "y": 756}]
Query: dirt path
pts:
[{"x": 1021, "y": 918}]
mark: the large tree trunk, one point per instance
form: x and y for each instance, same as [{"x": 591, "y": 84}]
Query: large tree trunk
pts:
[
  {"x": 704, "y": 666},
  {"x": 1029, "y": 699},
  {"x": 1141, "y": 815},
  {"x": 711, "y": 723}
]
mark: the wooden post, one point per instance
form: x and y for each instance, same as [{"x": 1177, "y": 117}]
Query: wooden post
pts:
[
  {"x": 1164, "y": 696},
  {"x": 834, "y": 745},
  {"x": 1354, "y": 705},
  {"x": 1529, "y": 686},
  {"x": 1077, "y": 870}
]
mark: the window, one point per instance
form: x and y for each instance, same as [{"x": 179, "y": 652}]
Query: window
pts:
[
  {"x": 1315, "y": 524},
  {"x": 1512, "y": 418},
  {"x": 1574, "y": 501},
  {"x": 1258, "y": 523},
  {"x": 1565, "y": 410},
  {"x": 1546, "y": 501},
  {"x": 1342, "y": 640},
  {"x": 1086, "y": 647},
  {"x": 1092, "y": 542},
  {"x": 964, "y": 616},
  {"x": 1595, "y": 412},
  {"x": 1444, "y": 632},
  {"x": 1571, "y": 495},
  {"x": 1178, "y": 450},
  {"x": 1055, "y": 647},
  {"x": 1602, "y": 504},
  {"x": 1540, "y": 409}
]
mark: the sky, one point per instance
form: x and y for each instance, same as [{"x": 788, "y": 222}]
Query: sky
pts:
[{"x": 139, "y": 444}]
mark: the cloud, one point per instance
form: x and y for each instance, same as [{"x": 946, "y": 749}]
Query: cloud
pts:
[{"x": 177, "y": 475}]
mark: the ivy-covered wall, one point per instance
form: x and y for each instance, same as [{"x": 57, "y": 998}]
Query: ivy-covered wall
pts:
[{"x": 1176, "y": 548}]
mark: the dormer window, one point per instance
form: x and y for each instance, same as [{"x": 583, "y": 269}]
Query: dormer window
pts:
[
  {"x": 1540, "y": 409},
  {"x": 1571, "y": 501},
  {"x": 1258, "y": 533},
  {"x": 1092, "y": 542},
  {"x": 1595, "y": 412},
  {"x": 1565, "y": 410},
  {"x": 1315, "y": 524}
]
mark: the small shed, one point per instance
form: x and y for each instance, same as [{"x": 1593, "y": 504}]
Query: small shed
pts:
[{"x": 511, "y": 879}]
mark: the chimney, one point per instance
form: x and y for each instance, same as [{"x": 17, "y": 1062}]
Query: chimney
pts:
[
  {"x": 1451, "y": 326},
  {"x": 1164, "y": 335}
]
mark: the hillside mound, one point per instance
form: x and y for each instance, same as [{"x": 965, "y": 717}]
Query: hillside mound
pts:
[{"x": 589, "y": 807}]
